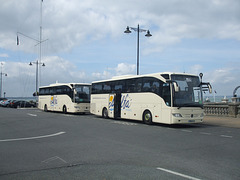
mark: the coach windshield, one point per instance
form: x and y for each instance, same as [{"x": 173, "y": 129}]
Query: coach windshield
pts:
[
  {"x": 189, "y": 91},
  {"x": 82, "y": 94}
]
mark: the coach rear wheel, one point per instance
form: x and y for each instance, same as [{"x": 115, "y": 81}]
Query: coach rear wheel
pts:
[
  {"x": 64, "y": 109},
  {"x": 147, "y": 117}
]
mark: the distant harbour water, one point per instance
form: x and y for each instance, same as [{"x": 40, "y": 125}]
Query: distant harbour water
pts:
[{"x": 217, "y": 98}]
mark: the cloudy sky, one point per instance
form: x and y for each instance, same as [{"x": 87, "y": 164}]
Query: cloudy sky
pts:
[{"x": 85, "y": 40}]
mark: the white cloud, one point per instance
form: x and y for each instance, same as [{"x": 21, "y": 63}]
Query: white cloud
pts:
[
  {"x": 22, "y": 77},
  {"x": 4, "y": 55},
  {"x": 224, "y": 80},
  {"x": 121, "y": 69},
  {"x": 124, "y": 69},
  {"x": 69, "y": 23},
  {"x": 100, "y": 76},
  {"x": 196, "y": 69}
]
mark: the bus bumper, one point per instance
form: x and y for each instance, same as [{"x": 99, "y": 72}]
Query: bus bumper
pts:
[{"x": 186, "y": 117}]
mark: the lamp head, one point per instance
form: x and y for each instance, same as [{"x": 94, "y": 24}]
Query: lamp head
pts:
[
  {"x": 201, "y": 76},
  {"x": 148, "y": 34},
  {"x": 127, "y": 30}
]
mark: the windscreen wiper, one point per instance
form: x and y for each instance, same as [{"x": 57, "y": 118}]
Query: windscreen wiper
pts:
[{"x": 190, "y": 105}]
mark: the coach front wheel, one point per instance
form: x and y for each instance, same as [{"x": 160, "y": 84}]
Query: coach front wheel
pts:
[
  {"x": 45, "y": 108},
  {"x": 147, "y": 117},
  {"x": 105, "y": 113}
]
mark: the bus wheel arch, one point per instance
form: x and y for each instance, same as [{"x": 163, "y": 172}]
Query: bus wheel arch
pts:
[
  {"x": 64, "y": 109},
  {"x": 45, "y": 108},
  {"x": 105, "y": 113},
  {"x": 147, "y": 117}
]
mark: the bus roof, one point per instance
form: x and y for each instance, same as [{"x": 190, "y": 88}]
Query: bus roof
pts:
[
  {"x": 157, "y": 75},
  {"x": 66, "y": 84}
]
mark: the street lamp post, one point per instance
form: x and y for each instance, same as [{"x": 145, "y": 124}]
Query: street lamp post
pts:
[
  {"x": 138, "y": 30},
  {"x": 39, "y": 42},
  {"x": 37, "y": 64},
  {"x": 2, "y": 74}
]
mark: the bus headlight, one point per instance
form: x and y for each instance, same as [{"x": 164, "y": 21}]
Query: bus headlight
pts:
[
  {"x": 76, "y": 107},
  {"x": 202, "y": 114},
  {"x": 177, "y": 115}
]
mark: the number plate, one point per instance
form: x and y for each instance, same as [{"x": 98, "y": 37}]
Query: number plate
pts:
[{"x": 191, "y": 121}]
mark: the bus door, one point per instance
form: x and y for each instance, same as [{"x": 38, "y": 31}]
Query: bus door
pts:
[
  {"x": 111, "y": 105},
  {"x": 117, "y": 105}
]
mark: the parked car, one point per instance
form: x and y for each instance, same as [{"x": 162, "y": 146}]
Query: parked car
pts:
[
  {"x": 11, "y": 103},
  {"x": 4, "y": 103},
  {"x": 21, "y": 104}
]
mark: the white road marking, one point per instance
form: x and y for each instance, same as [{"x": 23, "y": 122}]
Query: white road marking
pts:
[
  {"x": 178, "y": 174},
  {"x": 54, "y": 158},
  {"x": 124, "y": 123},
  {"x": 186, "y": 130},
  {"x": 68, "y": 115},
  {"x": 226, "y": 136},
  {"x": 30, "y": 138},
  {"x": 31, "y": 114},
  {"x": 205, "y": 133},
  {"x": 172, "y": 129}
]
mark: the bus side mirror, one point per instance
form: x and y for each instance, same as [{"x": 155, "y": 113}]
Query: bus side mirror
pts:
[
  {"x": 176, "y": 87},
  {"x": 210, "y": 88},
  {"x": 206, "y": 86},
  {"x": 75, "y": 92}
]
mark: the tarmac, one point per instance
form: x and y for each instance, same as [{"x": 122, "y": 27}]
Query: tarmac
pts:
[{"x": 222, "y": 121}]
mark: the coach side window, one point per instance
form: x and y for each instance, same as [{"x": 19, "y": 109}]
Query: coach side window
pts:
[
  {"x": 97, "y": 88},
  {"x": 59, "y": 90},
  {"x": 117, "y": 87},
  {"x": 138, "y": 85},
  {"x": 155, "y": 87},
  {"x": 106, "y": 88},
  {"x": 46, "y": 91},
  {"x": 41, "y": 91},
  {"x": 130, "y": 85},
  {"x": 51, "y": 91},
  {"x": 166, "y": 94},
  {"x": 146, "y": 85}
]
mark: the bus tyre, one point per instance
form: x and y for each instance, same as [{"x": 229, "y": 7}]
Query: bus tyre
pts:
[
  {"x": 147, "y": 117},
  {"x": 45, "y": 108},
  {"x": 64, "y": 109},
  {"x": 105, "y": 113}
]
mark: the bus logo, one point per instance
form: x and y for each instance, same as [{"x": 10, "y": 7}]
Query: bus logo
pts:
[
  {"x": 125, "y": 102},
  {"x": 111, "y": 103},
  {"x": 53, "y": 100}
]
